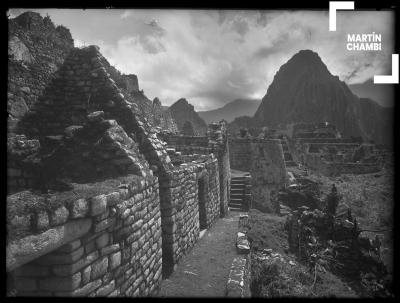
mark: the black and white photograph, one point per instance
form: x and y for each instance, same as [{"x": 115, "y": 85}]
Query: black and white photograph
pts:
[{"x": 186, "y": 152}]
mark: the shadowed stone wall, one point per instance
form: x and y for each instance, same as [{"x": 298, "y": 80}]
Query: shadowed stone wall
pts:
[{"x": 264, "y": 159}]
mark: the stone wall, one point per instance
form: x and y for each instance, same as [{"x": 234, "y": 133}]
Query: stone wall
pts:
[
  {"x": 264, "y": 159},
  {"x": 268, "y": 172},
  {"x": 239, "y": 151},
  {"x": 332, "y": 169},
  {"x": 21, "y": 162},
  {"x": 195, "y": 141},
  {"x": 179, "y": 215},
  {"x": 218, "y": 141},
  {"x": 109, "y": 244},
  {"x": 191, "y": 192}
]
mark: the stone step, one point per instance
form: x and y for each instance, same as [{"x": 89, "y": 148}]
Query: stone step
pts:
[
  {"x": 238, "y": 185},
  {"x": 238, "y": 179},
  {"x": 236, "y": 197},
  {"x": 235, "y": 205},
  {"x": 235, "y": 209},
  {"x": 239, "y": 182}
]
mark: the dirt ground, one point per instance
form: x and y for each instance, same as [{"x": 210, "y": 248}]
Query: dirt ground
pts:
[{"x": 204, "y": 271}]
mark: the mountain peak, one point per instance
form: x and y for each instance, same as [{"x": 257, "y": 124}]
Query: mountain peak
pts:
[
  {"x": 182, "y": 101},
  {"x": 305, "y": 61},
  {"x": 307, "y": 54},
  {"x": 183, "y": 111},
  {"x": 304, "y": 91}
]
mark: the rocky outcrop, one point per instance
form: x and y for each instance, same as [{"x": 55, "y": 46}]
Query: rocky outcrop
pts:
[
  {"x": 183, "y": 111},
  {"x": 36, "y": 50}
]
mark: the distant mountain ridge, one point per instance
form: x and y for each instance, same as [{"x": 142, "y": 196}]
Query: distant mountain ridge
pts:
[
  {"x": 183, "y": 111},
  {"x": 231, "y": 110},
  {"x": 303, "y": 90}
]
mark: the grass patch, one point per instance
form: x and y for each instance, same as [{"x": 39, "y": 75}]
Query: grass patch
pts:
[{"x": 280, "y": 275}]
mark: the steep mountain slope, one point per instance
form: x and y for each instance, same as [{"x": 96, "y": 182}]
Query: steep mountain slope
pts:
[
  {"x": 303, "y": 90},
  {"x": 183, "y": 111},
  {"x": 382, "y": 94},
  {"x": 231, "y": 110},
  {"x": 377, "y": 121}
]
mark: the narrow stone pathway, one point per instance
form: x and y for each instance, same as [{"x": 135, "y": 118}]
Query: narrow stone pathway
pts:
[{"x": 204, "y": 271}]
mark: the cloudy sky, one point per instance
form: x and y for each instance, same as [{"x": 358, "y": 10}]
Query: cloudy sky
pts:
[{"x": 212, "y": 57}]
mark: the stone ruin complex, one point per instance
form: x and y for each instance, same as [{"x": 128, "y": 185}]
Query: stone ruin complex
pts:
[
  {"x": 102, "y": 199},
  {"x": 322, "y": 148},
  {"x": 107, "y": 190}
]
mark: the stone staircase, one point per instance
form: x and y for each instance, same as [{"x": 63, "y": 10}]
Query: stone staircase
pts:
[
  {"x": 287, "y": 155},
  {"x": 238, "y": 193}
]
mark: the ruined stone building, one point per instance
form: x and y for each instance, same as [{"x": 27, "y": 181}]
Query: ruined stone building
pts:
[
  {"x": 102, "y": 198},
  {"x": 322, "y": 148}
]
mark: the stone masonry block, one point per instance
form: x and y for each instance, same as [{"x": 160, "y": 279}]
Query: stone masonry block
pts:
[
  {"x": 102, "y": 225},
  {"x": 115, "y": 260},
  {"x": 102, "y": 241},
  {"x": 98, "y": 205},
  {"x": 99, "y": 268},
  {"x": 69, "y": 247},
  {"x": 59, "y": 216},
  {"x": 79, "y": 208},
  {"x": 61, "y": 284},
  {"x": 25, "y": 284},
  {"x": 64, "y": 258},
  {"x": 70, "y": 269},
  {"x": 109, "y": 249},
  {"x": 42, "y": 220}
]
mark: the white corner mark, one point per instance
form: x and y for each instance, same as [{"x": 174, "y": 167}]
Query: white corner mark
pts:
[
  {"x": 394, "y": 77},
  {"x": 333, "y": 7}
]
